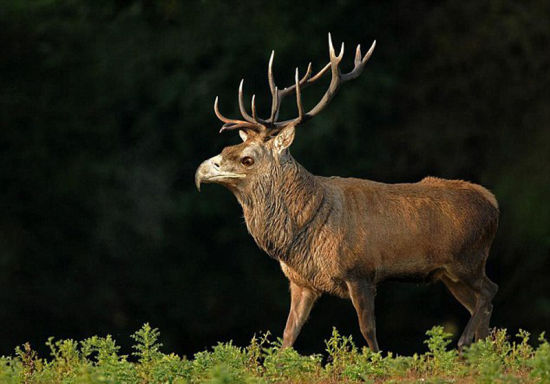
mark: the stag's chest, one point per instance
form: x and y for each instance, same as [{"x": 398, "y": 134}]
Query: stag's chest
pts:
[
  {"x": 315, "y": 278},
  {"x": 302, "y": 259},
  {"x": 271, "y": 227},
  {"x": 302, "y": 240}
]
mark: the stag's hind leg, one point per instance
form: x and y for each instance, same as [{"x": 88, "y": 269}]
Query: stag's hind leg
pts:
[
  {"x": 488, "y": 291},
  {"x": 462, "y": 292},
  {"x": 467, "y": 297},
  {"x": 476, "y": 295}
]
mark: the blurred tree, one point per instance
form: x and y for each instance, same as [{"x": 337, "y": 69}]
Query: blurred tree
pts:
[{"x": 106, "y": 112}]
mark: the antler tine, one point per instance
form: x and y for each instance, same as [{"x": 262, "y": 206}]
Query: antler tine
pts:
[
  {"x": 231, "y": 124},
  {"x": 333, "y": 58},
  {"x": 244, "y": 113},
  {"x": 337, "y": 77},
  {"x": 319, "y": 74},
  {"x": 335, "y": 82},
  {"x": 358, "y": 57},
  {"x": 274, "y": 106},
  {"x": 253, "y": 106},
  {"x": 273, "y": 88},
  {"x": 303, "y": 82},
  {"x": 270, "y": 78},
  {"x": 359, "y": 63},
  {"x": 277, "y": 95},
  {"x": 307, "y": 80},
  {"x": 301, "y": 115},
  {"x": 299, "y": 99}
]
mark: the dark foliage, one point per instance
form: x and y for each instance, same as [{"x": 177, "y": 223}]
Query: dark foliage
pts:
[{"x": 106, "y": 110}]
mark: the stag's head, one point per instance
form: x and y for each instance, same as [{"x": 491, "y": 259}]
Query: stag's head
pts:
[{"x": 266, "y": 141}]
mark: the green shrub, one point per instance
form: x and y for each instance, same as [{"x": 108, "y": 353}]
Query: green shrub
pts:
[
  {"x": 488, "y": 357},
  {"x": 438, "y": 358},
  {"x": 225, "y": 359},
  {"x": 520, "y": 353},
  {"x": 541, "y": 361},
  {"x": 342, "y": 354},
  {"x": 282, "y": 364},
  {"x": 108, "y": 366},
  {"x": 98, "y": 360}
]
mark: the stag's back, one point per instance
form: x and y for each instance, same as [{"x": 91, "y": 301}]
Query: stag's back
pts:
[{"x": 410, "y": 229}]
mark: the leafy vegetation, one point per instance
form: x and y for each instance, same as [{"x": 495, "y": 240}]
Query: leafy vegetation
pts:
[
  {"x": 106, "y": 111},
  {"x": 98, "y": 360}
]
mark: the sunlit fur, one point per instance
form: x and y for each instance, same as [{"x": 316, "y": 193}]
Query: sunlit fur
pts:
[{"x": 331, "y": 234}]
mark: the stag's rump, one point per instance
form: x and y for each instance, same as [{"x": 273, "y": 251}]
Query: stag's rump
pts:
[{"x": 413, "y": 230}]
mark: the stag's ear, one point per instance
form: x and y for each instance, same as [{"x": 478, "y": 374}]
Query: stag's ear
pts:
[
  {"x": 243, "y": 134},
  {"x": 284, "y": 139}
]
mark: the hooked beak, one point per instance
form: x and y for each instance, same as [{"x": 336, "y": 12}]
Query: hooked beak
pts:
[{"x": 209, "y": 172}]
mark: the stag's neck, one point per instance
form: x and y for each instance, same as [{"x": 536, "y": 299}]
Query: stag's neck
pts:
[{"x": 280, "y": 206}]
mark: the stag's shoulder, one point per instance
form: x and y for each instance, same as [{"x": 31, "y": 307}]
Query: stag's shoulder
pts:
[{"x": 460, "y": 185}]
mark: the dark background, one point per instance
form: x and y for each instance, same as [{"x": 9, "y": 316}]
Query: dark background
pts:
[{"x": 106, "y": 111}]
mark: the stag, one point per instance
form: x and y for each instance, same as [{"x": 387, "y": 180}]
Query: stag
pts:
[{"x": 343, "y": 236}]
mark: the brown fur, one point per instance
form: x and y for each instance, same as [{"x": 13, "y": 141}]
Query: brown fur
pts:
[{"x": 329, "y": 231}]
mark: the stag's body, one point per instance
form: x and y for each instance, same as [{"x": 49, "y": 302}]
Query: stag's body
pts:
[
  {"x": 343, "y": 236},
  {"x": 326, "y": 231}
]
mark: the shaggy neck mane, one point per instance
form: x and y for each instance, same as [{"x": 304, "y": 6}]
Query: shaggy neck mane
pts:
[{"x": 280, "y": 205}]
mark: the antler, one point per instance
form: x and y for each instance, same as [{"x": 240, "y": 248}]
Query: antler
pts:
[
  {"x": 231, "y": 124},
  {"x": 277, "y": 95},
  {"x": 269, "y": 125}
]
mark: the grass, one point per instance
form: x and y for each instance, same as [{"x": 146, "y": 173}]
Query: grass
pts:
[{"x": 498, "y": 359}]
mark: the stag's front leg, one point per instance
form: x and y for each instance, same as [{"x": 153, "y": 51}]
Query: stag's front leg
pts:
[
  {"x": 301, "y": 302},
  {"x": 362, "y": 295}
]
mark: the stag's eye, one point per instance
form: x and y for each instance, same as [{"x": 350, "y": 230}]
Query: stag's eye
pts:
[{"x": 247, "y": 161}]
